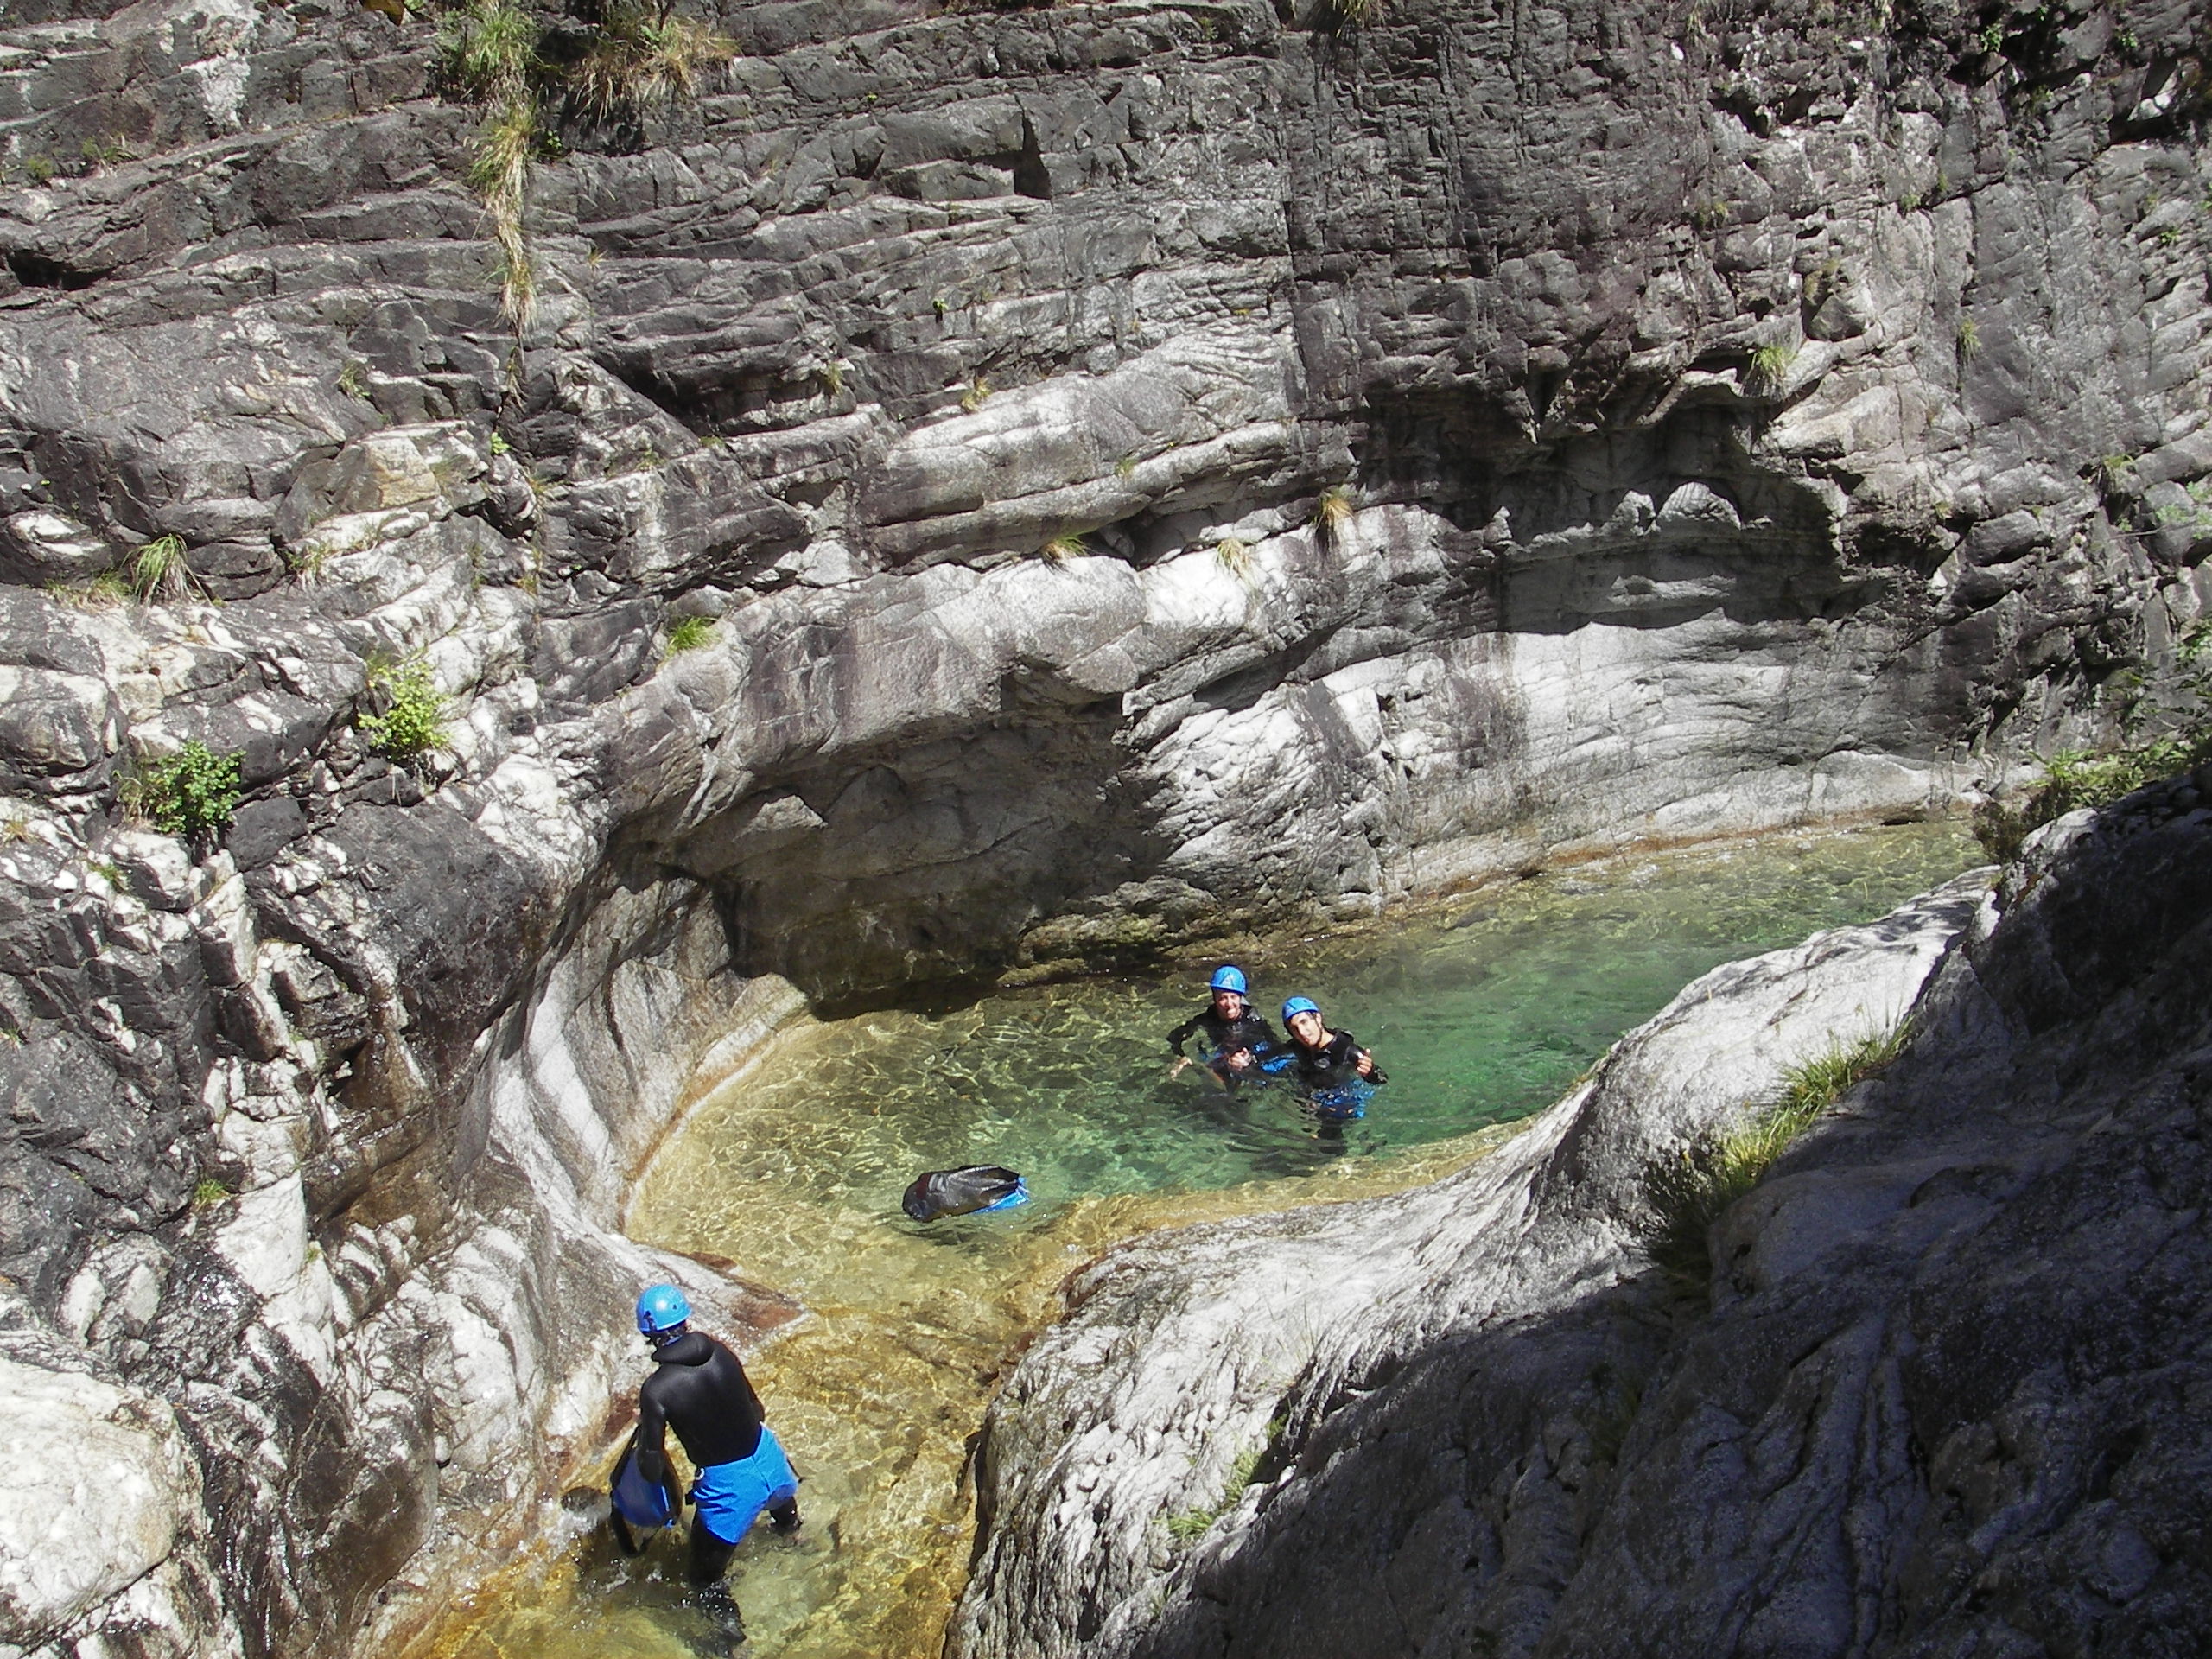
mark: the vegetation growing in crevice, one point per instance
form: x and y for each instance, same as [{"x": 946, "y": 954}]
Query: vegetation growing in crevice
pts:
[
  {"x": 412, "y": 723},
  {"x": 687, "y": 633},
  {"x": 1063, "y": 548},
  {"x": 1334, "y": 508},
  {"x": 609, "y": 63},
  {"x": 1692, "y": 1194},
  {"x": 2079, "y": 777},
  {"x": 640, "y": 56},
  {"x": 158, "y": 569},
  {"x": 1188, "y": 1526},
  {"x": 193, "y": 793},
  {"x": 1769, "y": 367}
]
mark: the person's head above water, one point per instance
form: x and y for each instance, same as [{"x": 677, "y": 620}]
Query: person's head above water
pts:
[
  {"x": 1229, "y": 988},
  {"x": 662, "y": 1312},
  {"x": 1301, "y": 1017}
]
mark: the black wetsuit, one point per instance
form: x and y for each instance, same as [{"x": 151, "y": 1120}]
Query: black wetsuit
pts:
[
  {"x": 1333, "y": 1065},
  {"x": 1248, "y": 1030},
  {"x": 699, "y": 1389}
]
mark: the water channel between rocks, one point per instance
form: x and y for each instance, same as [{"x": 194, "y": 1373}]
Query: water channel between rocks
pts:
[{"x": 1483, "y": 1011}]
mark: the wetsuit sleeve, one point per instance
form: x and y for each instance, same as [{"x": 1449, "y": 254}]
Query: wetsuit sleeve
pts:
[
  {"x": 1183, "y": 1033},
  {"x": 652, "y": 1431}
]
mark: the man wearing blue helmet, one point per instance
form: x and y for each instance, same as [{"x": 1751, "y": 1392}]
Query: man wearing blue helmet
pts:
[
  {"x": 1234, "y": 1029},
  {"x": 699, "y": 1389},
  {"x": 1330, "y": 1064}
]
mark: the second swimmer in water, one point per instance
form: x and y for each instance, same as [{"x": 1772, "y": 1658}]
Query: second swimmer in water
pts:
[
  {"x": 1330, "y": 1066},
  {"x": 1239, "y": 1034}
]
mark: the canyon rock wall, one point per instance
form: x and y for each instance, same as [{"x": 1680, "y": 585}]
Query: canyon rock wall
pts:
[
  {"x": 1940, "y": 1392},
  {"x": 1492, "y": 433}
]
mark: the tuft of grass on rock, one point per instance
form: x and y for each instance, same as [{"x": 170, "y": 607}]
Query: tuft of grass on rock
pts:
[
  {"x": 1691, "y": 1195},
  {"x": 1334, "y": 508},
  {"x": 1061, "y": 549},
  {"x": 1769, "y": 367},
  {"x": 687, "y": 633},
  {"x": 158, "y": 569},
  {"x": 640, "y": 57},
  {"x": 2073, "y": 779},
  {"x": 102, "y": 593},
  {"x": 207, "y": 1191},
  {"x": 1234, "y": 558},
  {"x": 1187, "y": 1526}
]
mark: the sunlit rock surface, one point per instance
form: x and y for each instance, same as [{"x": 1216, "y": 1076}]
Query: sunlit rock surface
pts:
[
  {"x": 1744, "y": 421},
  {"x": 1943, "y": 1392}
]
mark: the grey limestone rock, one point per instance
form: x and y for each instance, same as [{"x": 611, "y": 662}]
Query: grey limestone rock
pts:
[{"x": 1493, "y": 436}]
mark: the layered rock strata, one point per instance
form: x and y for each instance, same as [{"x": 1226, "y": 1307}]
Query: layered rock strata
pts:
[
  {"x": 1941, "y": 1393},
  {"x": 1492, "y": 436}
]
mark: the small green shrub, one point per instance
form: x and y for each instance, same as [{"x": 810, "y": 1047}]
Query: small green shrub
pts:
[
  {"x": 207, "y": 1190},
  {"x": 1992, "y": 38},
  {"x": 689, "y": 633},
  {"x": 192, "y": 793},
  {"x": 1969, "y": 339},
  {"x": 40, "y": 170},
  {"x": 413, "y": 721},
  {"x": 1690, "y": 1196},
  {"x": 1771, "y": 366},
  {"x": 353, "y": 378},
  {"x": 978, "y": 390}
]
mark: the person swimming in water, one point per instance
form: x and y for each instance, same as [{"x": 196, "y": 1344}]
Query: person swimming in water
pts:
[
  {"x": 1332, "y": 1070},
  {"x": 1239, "y": 1033},
  {"x": 699, "y": 1389}
]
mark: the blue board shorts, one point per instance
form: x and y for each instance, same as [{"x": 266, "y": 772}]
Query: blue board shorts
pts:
[{"x": 731, "y": 1495}]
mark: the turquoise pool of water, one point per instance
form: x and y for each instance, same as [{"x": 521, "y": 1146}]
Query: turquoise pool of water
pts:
[{"x": 1481, "y": 1012}]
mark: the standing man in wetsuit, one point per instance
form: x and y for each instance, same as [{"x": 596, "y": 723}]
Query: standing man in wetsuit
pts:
[
  {"x": 1229, "y": 1024},
  {"x": 699, "y": 1389},
  {"x": 1327, "y": 1062}
]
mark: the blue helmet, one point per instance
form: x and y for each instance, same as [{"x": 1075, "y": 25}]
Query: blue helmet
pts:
[
  {"x": 663, "y": 1307},
  {"x": 1226, "y": 978},
  {"x": 1300, "y": 1005}
]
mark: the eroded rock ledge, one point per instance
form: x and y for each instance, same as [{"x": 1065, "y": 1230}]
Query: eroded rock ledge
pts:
[{"x": 1947, "y": 1396}]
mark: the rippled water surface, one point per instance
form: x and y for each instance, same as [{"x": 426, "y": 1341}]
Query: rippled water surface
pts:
[{"x": 1481, "y": 1013}]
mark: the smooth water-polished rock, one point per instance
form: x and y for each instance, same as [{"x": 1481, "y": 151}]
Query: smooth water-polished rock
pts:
[{"x": 1937, "y": 1394}]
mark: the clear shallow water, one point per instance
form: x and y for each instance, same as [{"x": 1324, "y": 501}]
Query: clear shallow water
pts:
[{"x": 1480, "y": 1012}]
